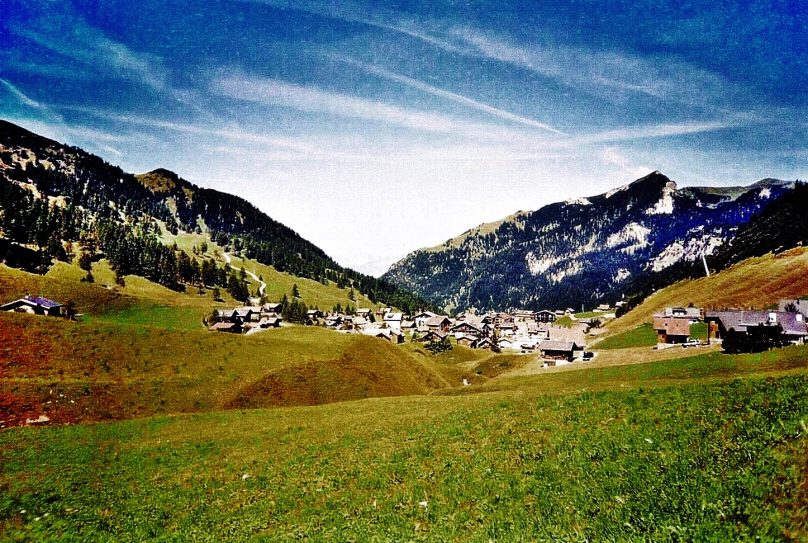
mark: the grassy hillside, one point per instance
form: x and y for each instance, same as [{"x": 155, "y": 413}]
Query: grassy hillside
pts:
[
  {"x": 756, "y": 282},
  {"x": 141, "y": 301},
  {"x": 661, "y": 452},
  {"x": 100, "y": 370}
]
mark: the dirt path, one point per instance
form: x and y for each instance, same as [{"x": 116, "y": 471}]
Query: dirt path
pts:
[{"x": 262, "y": 289}]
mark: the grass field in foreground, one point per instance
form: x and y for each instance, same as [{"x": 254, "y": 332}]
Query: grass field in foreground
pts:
[
  {"x": 99, "y": 370},
  {"x": 720, "y": 462}
]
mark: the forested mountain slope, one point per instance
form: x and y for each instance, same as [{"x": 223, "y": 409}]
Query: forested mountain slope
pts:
[
  {"x": 55, "y": 198},
  {"x": 585, "y": 251}
]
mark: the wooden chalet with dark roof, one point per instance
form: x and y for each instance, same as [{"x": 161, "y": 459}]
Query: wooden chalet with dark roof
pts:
[
  {"x": 559, "y": 350},
  {"x": 467, "y": 329},
  {"x": 545, "y": 315}
]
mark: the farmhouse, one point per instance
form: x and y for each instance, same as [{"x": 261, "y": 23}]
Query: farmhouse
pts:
[
  {"x": 671, "y": 330},
  {"x": 439, "y": 322},
  {"x": 793, "y": 325},
  {"x": 538, "y": 331},
  {"x": 35, "y": 305},
  {"x": 559, "y": 350}
]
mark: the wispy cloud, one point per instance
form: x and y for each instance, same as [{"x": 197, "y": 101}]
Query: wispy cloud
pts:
[
  {"x": 652, "y": 131},
  {"x": 30, "y": 103},
  {"x": 379, "y": 18},
  {"x": 607, "y": 73},
  {"x": 274, "y": 92},
  {"x": 70, "y": 36},
  {"x": 442, "y": 93}
]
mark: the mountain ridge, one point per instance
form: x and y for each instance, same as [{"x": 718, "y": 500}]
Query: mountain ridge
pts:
[
  {"x": 583, "y": 250},
  {"x": 52, "y": 194}
]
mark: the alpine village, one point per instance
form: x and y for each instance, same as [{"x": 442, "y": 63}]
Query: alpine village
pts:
[{"x": 174, "y": 359}]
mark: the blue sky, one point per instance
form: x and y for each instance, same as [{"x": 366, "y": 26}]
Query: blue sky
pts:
[{"x": 375, "y": 128}]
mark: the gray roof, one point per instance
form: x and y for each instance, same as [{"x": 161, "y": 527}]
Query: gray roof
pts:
[
  {"x": 740, "y": 320},
  {"x": 44, "y": 302},
  {"x": 558, "y": 346},
  {"x": 438, "y": 320}
]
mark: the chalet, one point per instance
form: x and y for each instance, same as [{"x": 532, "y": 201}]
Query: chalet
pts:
[
  {"x": 487, "y": 319},
  {"x": 314, "y": 314},
  {"x": 466, "y": 329},
  {"x": 271, "y": 322},
  {"x": 507, "y": 328},
  {"x": 502, "y": 318},
  {"x": 671, "y": 330},
  {"x": 559, "y": 350},
  {"x": 439, "y": 322},
  {"x": 421, "y": 318},
  {"x": 35, "y": 305},
  {"x": 589, "y": 323},
  {"x": 408, "y": 325},
  {"x": 792, "y": 324},
  {"x": 364, "y": 312},
  {"x": 271, "y": 308},
  {"x": 231, "y": 327},
  {"x": 466, "y": 341},
  {"x": 545, "y": 315},
  {"x": 393, "y": 321},
  {"x": 245, "y": 314}
]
